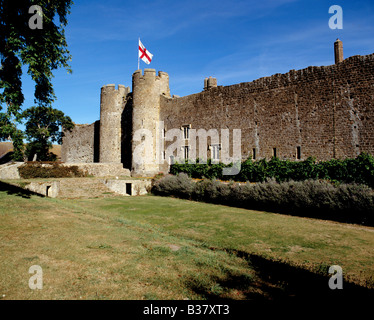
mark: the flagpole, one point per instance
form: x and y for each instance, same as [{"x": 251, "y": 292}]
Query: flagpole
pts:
[{"x": 138, "y": 52}]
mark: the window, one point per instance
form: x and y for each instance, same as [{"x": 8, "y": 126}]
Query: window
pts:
[
  {"x": 215, "y": 151},
  {"x": 254, "y": 153},
  {"x": 274, "y": 152},
  {"x": 185, "y": 150},
  {"x": 298, "y": 153},
  {"x": 186, "y": 131}
]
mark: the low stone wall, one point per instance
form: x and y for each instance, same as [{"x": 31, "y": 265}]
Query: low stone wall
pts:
[
  {"x": 49, "y": 189},
  {"x": 83, "y": 187},
  {"x": 10, "y": 171},
  {"x": 101, "y": 169},
  {"x": 129, "y": 187}
]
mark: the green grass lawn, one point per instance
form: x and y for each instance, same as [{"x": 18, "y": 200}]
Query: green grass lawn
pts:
[{"x": 151, "y": 247}]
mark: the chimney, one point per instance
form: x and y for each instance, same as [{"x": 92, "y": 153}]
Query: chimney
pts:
[
  {"x": 211, "y": 83},
  {"x": 205, "y": 84},
  {"x": 338, "y": 49}
]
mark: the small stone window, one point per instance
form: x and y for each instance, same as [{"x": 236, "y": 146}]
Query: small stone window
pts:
[
  {"x": 298, "y": 153},
  {"x": 163, "y": 133},
  {"x": 254, "y": 154},
  {"x": 214, "y": 149},
  {"x": 186, "y": 152},
  {"x": 274, "y": 152},
  {"x": 186, "y": 131}
]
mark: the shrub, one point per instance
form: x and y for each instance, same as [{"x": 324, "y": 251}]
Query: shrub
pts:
[
  {"x": 180, "y": 186},
  {"x": 311, "y": 198},
  {"x": 49, "y": 170},
  {"x": 359, "y": 170},
  {"x": 157, "y": 176}
]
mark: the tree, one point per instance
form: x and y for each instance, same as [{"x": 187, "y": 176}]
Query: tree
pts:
[
  {"x": 42, "y": 128},
  {"x": 43, "y": 49}
]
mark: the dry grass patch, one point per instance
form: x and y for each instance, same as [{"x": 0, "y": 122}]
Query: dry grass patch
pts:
[
  {"x": 88, "y": 254},
  {"x": 159, "y": 248}
]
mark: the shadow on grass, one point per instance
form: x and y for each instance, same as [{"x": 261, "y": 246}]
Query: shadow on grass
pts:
[
  {"x": 278, "y": 281},
  {"x": 17, "y": 191}
]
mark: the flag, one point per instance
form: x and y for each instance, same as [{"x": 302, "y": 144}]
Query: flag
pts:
[{"x": 144, "y": 54}]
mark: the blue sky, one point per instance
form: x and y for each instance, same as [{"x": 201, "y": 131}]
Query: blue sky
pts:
[{"x": 234, "y": 41}]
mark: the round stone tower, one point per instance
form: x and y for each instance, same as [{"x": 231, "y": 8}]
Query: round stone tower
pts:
[
  {"x": 147, "y": 90},
  {"x": 112, "y": 103}
]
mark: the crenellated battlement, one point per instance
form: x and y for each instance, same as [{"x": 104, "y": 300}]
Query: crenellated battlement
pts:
[
  {"x": 122, "y": 90},
  {"x": 150, "y": 74},
  {"x": 154, "y": 85}
]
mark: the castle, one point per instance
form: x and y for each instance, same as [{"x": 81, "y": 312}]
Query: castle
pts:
[{"x": 326, "y": 112}]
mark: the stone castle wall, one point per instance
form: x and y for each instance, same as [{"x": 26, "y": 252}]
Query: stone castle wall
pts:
[
  {"x": 325, "y": 111},
  {"x": 81, "y": 144}
]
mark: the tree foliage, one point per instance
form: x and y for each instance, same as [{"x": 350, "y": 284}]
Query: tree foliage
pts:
[
  {"x": 42, "y": 50},
  {"x": 42, "y": 129}
]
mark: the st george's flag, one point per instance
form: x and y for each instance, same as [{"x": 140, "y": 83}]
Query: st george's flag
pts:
[{"x": 144, "y": 54}]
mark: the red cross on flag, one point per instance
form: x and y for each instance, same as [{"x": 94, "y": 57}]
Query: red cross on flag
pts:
[{"x": 144, "y": 54}]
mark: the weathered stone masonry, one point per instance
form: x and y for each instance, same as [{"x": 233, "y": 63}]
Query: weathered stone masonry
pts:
[
  {"x": 112, "y": 105},
  {"x": 82, "y": 144},
  {"x": 326, "y": 112},
  {"x": 147, "y": 92}
]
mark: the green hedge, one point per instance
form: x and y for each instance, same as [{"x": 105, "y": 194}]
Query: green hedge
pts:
[
  {"x": 49, "y": 170},
  {"x": 320, "y": 199},
  {"x": 359, "y": 170}
]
